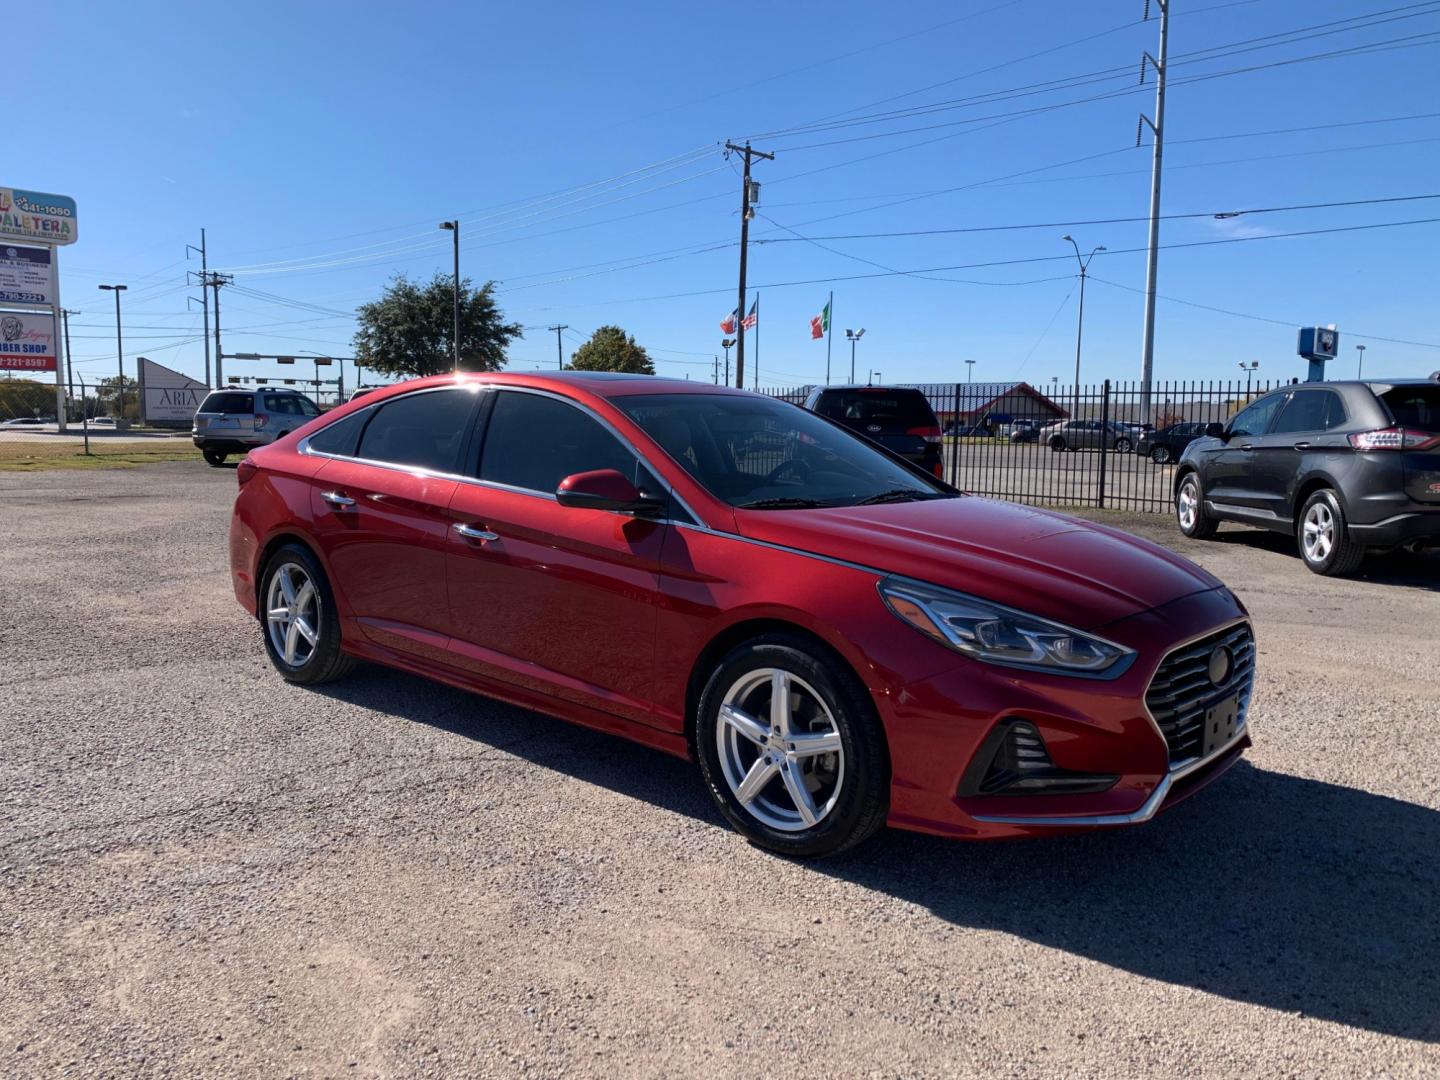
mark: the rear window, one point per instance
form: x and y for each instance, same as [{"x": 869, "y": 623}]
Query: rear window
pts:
[
  {"x": 1414, "y": 406},
  {"x": 889, "y": 408},
  {"x": 228, "y": 401}
]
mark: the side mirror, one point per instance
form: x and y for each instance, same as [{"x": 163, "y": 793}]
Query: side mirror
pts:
[
  {"x": 1216, "y": 431},
  {"x": 606, "y": 489}
]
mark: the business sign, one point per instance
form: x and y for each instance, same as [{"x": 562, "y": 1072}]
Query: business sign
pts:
[
  {"x": 27, "y": 342},
  {"x": 33, "y": 215},
  {"x": 169, "y": 395},
  {"x": 27, "y": 275}
]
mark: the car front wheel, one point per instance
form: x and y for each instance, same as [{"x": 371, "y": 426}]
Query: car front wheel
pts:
[
  {"x": 298, "y": 619},
  {"x": 791, "y": 748},
  {"x": 1122, "y": 446},
  {"x": 1190, "y": 510},
  {"x": 1325, "y": 542},
  {"x": 1057, "y": 443},
  {"x": 1160, "y": 455}
]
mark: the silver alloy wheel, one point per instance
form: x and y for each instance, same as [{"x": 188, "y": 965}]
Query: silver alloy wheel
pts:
[
  {"x": 292, "y": 614},
  {"x": 1318, "y": 532},
  {"x": 780, "y": 749},
  {"x": 1187, "y": 504}
]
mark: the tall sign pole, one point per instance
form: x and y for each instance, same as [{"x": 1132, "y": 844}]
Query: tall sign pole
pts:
[
  {"x": 50, "y": 222},
  {"x": 746, "y": 212},
  {"x": 1157, "y": 130}
]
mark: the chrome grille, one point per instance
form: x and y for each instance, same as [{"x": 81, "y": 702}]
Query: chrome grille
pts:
[{"x": 1181, "y": 691}]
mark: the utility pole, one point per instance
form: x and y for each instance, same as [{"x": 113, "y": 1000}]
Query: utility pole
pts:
[
  {"x": 454, "y": 227},
  {"x": 749, "y": 195},
  {"x": 1157, "y": 130},
  {"x": 1080, "y": 324},
  {"x": 215, "y": 281},
  {"x": 717, "y": 371},
  {"x": 559, "y": 347},
  {"x": 65, "y": 314},
  {"x": 119, "y": 352},
  {"x": 204, "y": 297}
]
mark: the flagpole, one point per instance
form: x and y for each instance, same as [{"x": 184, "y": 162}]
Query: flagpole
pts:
[
  {"x": 829, "y": 332},
  {"x": 756, "y": 378}
]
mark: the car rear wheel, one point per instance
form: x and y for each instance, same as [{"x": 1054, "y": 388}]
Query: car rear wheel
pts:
[
  {"x": 298, "y": 619},
  {"x": 791, "y": 748},
  {"x": 214, "y": 457},
  {"x": 1057, "y": 443},
  {"x": 1160, "y": 455},
  {"x": 1190, "y": 510},
  {"x": 1325, "y": 542}
]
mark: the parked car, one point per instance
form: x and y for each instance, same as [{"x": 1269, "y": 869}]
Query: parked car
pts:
[
  {"x": 1087, "y": 435},
  {"x": 25, "y": 422},
  {"x": 841, "y": 640},
  {"x": 103, "y": 422},
  {"x": 361, "y": 391},
  {"x": 1346, "y": 467},
  {"x": 234, "y": 421},
  {"x": 1167, "y": 444},
  {"x": 899, "y": 419},
  {"x": 1023, "y": 431}
]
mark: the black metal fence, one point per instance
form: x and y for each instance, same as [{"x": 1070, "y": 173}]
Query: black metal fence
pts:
[{"x": 1073, "y": 446}]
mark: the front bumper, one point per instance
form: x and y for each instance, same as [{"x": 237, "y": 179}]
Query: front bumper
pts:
[{"x": 938, "y": 726}]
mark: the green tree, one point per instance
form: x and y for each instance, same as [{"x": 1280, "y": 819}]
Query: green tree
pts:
[
  {"x": 611, "y": 349},
  {"x": 408, "y": 331}
]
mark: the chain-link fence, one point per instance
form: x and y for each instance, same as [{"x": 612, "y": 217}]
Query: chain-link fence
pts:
[{"x": 1073, "y": 446}]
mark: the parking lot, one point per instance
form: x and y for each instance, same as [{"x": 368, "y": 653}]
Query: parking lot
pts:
[{"x": 204, "y": 870}]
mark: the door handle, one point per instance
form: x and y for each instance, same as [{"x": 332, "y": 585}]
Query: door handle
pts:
[
  {"x": 1246, "y": 447},
  {"x": 334, "y": 498},
  {"x": 1302, "y": 446},
  {"x": 471, "y": 532}
]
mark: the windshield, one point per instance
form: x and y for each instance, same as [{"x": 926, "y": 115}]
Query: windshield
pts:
[{"x": 759, "y": 453}]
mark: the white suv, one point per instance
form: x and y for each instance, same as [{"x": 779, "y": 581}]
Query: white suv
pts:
[{"x": 232, "y": 421}]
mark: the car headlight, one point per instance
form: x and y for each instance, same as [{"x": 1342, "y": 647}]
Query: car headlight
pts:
[{"x": 1001, "y": 635}]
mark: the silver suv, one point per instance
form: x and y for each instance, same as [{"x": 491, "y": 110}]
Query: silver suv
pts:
[{"x": 233, "y": 421}]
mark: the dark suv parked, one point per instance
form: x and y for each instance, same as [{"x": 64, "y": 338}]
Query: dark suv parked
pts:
[
  {"x": 899, "y": 419},
  {"x": 1346, "y": 467}
]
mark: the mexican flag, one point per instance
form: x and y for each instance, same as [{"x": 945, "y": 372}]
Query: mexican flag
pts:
[{"x": 820, "y": 324}]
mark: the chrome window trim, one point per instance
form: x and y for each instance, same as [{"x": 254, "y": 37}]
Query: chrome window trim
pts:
[{"x": 305, "y": 448}]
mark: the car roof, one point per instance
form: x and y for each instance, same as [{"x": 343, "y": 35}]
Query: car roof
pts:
[
  {"x": 603, "y": 384},
  {"x": 870, "y": 386}
]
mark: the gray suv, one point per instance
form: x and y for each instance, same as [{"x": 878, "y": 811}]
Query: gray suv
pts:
[
  {"x": 1345, "y": 467},
  {"x": 233, "y": 421}
]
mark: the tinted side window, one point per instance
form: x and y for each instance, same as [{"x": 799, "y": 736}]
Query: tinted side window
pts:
[
  {"x": 1305, "y": 412},
  {"x": 534, "y": 442},
  {"x": 341, "y": 437},
  {"x": 425, "y": 430},
  {"x": 1255, "y": 420}
]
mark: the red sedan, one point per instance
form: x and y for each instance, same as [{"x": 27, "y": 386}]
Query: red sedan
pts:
[{"x": 838, "y": 638}]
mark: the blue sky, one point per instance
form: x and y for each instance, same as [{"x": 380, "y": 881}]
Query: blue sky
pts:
[{"x": 320, "y": 143}]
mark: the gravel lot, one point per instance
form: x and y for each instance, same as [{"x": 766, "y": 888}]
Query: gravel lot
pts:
[{"x": 203, "y": 870}]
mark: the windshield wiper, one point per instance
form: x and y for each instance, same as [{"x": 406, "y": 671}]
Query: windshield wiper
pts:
[
  {"x": 893, "y": 495},
  {"x": 788, "y": 502}
]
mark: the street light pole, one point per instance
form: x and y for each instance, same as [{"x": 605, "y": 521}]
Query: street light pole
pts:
[
  {"x": 725, "y": 344},
  {"x": 454, "y": 227},
  {"x": 1360, "y": 362},
  {"x": 1249, "y": 369},
  {"x": 1080, "y": 318},
  {"x": 853, "y": 336},
  {"x": 119, "y": 350},
  {"x": 969, "y": 371}
]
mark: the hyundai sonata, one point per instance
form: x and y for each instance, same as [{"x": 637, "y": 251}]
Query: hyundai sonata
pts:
[{"x": 838, "y": 638}]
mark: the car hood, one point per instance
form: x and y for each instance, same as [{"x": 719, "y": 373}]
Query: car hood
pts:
[{"x": 1076, "y": 572}]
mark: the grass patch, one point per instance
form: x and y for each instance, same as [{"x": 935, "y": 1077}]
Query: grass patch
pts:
[{"x": 37, "y": 454}]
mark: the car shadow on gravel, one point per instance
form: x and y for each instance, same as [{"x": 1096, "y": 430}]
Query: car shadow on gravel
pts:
[
  {"x": 1416, "y": 571},
  {"x": 1266, "y": 888},
  {"x": 1289, "y": 893}
]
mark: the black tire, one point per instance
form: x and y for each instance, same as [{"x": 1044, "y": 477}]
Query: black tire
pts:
[
  {"x": 1160, "y": 455},
  {"x": 1201, "y": 527},
  {"x": 1326, "y": 546},
  {"x": 322, "y": 661},
  {"x": 1123, "y": 446},
  {"x": 1057, "y": 443},
  {"x": 857, "y": 795},
  {"x": 214, "y": 458}
]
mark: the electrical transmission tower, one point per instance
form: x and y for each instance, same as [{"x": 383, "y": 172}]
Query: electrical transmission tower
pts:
[{"x": 1157, "y": 130}]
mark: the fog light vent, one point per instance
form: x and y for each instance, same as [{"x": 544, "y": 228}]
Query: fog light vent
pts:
[{"x": 1015, "y": 762}]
